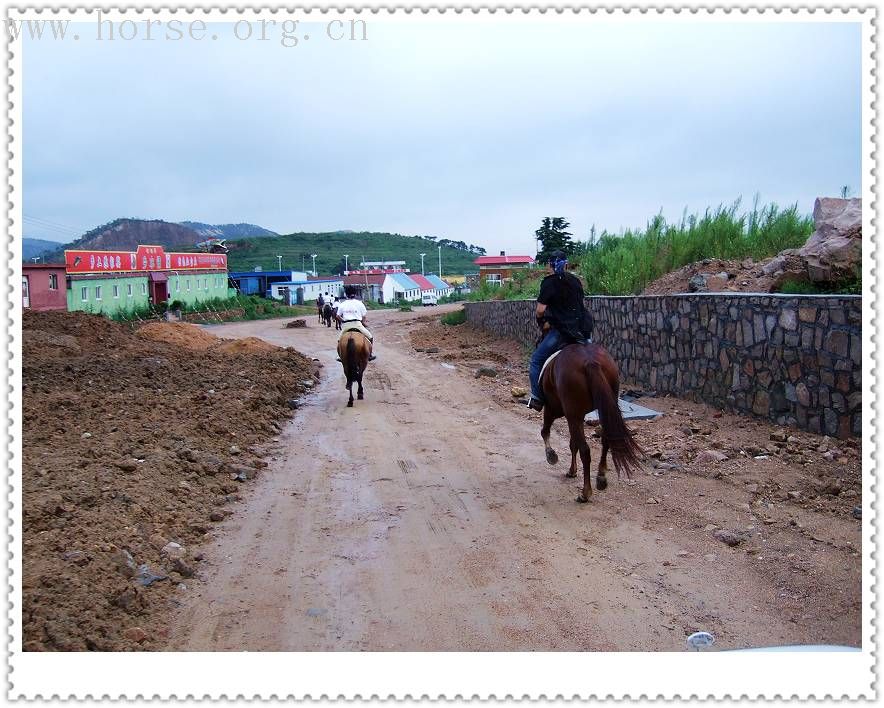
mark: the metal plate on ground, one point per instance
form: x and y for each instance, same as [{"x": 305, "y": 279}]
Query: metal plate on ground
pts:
[{"x": 631, "y": 411}]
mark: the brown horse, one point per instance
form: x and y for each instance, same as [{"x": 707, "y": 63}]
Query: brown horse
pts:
[
  {"x": 582, "y": 378},
  {"x": 354, "y": 350},
  {"x": 328, "y": 314}
]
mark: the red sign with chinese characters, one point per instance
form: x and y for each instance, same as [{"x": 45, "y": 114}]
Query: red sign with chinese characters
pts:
[{"x": 145, "y": 258}]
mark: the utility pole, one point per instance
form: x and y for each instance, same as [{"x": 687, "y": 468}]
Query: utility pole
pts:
[
  {"x": 279, "y": 258},
  {"x": 422, "y": 263},
  {"x": 440, "y": 262},
  {"x": 346, "y": 263},
  {"x": 314, "y": 263}
]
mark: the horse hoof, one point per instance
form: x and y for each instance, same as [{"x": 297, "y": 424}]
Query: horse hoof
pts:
[
  {"x": 570, "y": 474},
  {"x": 551, "y": 457},
  {"x": 601, "y": 483},
  {"x": 359, "y": 397},
  {"x": 582, "y": 499},
  {"x": 349, "y": 404}
]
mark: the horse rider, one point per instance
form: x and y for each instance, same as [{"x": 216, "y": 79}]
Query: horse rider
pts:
[
  {"x": 351, "y": 313},
  {"x": 562, "y": 318}
]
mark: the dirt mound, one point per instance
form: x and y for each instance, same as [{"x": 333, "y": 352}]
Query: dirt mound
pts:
[
  {"x": 129, "y": 459},
  {"x": 247, "y": 345},
  {"x": 715, "y": 275},
  {"x": 179, "y": 334}
]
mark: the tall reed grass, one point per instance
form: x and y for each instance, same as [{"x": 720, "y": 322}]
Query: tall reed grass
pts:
[{"x": 624, "y": 264}]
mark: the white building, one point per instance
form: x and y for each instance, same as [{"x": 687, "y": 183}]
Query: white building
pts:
[{"x": 305, "y": 292}]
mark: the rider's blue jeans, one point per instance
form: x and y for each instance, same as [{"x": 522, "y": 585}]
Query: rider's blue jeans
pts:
[{"x": 547, "y": 347}]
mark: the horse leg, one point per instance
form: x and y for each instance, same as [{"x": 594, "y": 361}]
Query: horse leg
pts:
[
  {"x": 601, "y": 481},
  {"x": 575, "y": 428},
  {"x": 359, "y": 391},
  {"x": 572, "y": 472},
  {"x": 350, "y": 391},
  {"x": 551, "y": 455}
]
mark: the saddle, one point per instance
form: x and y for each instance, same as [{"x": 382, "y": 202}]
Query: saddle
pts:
[{"x": 552, "y": 356}]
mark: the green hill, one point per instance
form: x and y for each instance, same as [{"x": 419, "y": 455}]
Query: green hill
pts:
[{"x": 296, "y": 249}]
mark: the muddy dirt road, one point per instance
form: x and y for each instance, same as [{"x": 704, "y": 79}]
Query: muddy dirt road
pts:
[{"x": 425, "y": 518}]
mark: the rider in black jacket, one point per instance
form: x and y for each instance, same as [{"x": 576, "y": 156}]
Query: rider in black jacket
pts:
[{"x": 562, "y": 318}]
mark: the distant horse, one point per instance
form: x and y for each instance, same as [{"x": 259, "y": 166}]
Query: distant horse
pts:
[
  {"x": 582, "y": 378},
  {"x": 328, "y": 314},
  {"x": 319, "y": 308},
  {"x": 354, "y": 350}
]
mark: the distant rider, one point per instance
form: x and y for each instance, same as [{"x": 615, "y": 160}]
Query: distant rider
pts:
[
  {"x": 351, "y": 313},
  {"x": 562, "y": 318}
]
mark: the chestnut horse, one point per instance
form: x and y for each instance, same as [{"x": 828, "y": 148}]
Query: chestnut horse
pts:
[
  {"x": 354, "y": 350},
  {"x": 328, "y": 314},
  {"x": 583, "y": 378}
]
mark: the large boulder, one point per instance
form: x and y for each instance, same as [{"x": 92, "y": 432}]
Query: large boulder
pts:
[{"x": 834, "y": 250}]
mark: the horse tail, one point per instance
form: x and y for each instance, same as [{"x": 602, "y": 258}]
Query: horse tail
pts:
[
  {"x": 624, "y": 450},
  {"x": 352, "y": 360}
]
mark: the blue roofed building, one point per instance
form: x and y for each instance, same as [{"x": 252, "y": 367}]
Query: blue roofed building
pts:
[
  {"x": 398, "y": 286},
  {"x": 441, "y": 288}
]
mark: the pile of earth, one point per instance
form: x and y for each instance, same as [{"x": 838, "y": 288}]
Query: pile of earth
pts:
[
  {"x": 829, "y": 260},
  {"x": 134, "y": 444}
]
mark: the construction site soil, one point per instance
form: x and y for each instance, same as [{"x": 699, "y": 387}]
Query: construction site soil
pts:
[{"x": 135, "y": 442}]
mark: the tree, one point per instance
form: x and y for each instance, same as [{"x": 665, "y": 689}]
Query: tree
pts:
[{"x": 553, "y": 237}]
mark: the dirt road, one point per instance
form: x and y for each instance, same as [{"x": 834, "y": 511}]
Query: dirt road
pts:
[{"x": 425, "y": 518}]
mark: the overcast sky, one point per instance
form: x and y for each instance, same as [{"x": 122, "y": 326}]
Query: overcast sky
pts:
[{"x": 472, "y": 133}]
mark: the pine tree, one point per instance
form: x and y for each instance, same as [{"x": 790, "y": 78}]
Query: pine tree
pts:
[{"x": 553, "y": 236}]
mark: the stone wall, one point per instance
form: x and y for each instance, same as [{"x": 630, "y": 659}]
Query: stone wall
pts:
[{"x": 796, "y": 360}]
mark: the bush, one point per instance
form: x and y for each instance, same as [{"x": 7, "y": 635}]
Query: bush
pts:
[
  {"x": 406, "y": 308},
  {"x": 458, "y": 317}
]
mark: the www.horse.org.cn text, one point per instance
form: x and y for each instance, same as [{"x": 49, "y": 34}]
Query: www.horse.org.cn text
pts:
[{"x": 287, "y": 33}]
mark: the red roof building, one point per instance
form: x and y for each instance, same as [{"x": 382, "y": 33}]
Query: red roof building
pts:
[
  {"x": 422, "y": 281},
  {"x": 497, "y": 269},
  {"x": 44, "y": 286}
]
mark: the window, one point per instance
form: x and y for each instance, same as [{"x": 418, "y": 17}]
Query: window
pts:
[
  {"x": 177, "y": 285},
  {"x": 98, "y": 292},
  {"x": 116, "y": 291},
  {"x": 84, "y": 294},
  {"x": 187, "y": 285},
  {"x": 493, "y": 279},
  {"x": 144, "y": 288},
  {"x": 53, "y": 281},
  {"x": 205, "y": 283},
  {"x": 129, "y": 290}
]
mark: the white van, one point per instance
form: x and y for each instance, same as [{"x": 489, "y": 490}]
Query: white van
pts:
[{"x": 429, "y": 299}]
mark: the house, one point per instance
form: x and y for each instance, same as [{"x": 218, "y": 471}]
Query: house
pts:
[
  {"x": 259, "y": 282},
  {"x": 43, "y": 286},
  {"x": 398, "y": 286},
  {"x": 306, "y": 290},
  {"x": 370, "y": 287},
  {"x": 113, "y": 282},
  {"x": 495, "y": 270},
  {"x": 442, "y": 288}
]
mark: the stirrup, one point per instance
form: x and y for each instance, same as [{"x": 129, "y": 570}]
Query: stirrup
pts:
[{"x": 535, "y": 404}]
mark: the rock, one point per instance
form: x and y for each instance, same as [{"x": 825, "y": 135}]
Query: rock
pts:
[
  {"x": 188, "y": 454},
  {"x": 296, "y": 324},
  {"x": 241, "y": 473},
  {"x": 126, "y": 465},
  {"x": 234, "y": 450},
  {"x": 834, "y": 250},
  {"x": 86, "y": 436},
  {"x": 431, "y": 350},
  {"x": 147, "y": 577},
  {"x": 730, "y": 538},
  {"x": 710, "y": 457},
  {"x": 778, "y": 436},
  {"x": 216, "y": 516},
  {"x": 198, "y": 556},
  {"x": 180, "y": 566},
  {"x": 125, "y": 563},
  {"x": 173, "y": 550},
  {"x": 832, "y": 487},
  {"x": 697, "y": 283},
  {"x": 653, "y": 500},
  {"x": 752, "y": 488},
  {"x": 519, "y": 392},
  {"x": 307, "y": 383},
  {"x": 710, "y": 527},
  {"x": 294, "y": 404},
  {"x": 857, "y": 512},
  {"x": 157, "y": 541},
  {"x": 198, "y": 527},
  {"x": 486, "y": 371},
  {"x": 135, "y": 634}
]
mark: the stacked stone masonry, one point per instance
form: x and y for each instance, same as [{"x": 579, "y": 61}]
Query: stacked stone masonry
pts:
[{"x": 796, "y": 360}]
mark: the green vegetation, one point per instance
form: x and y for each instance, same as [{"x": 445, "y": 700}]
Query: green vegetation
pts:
[
  {"x": 803, "y": 287},
  {"x": 296, "y": 249},
  {"x": 553, "y": 237},
  {"x": 251, "y": 307},
  {"x": 525, "y": 285},
  {"x": 406, "y": 308},
  {"x": 625, "y": 264},
  {"x": 458, "y": 317}
]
